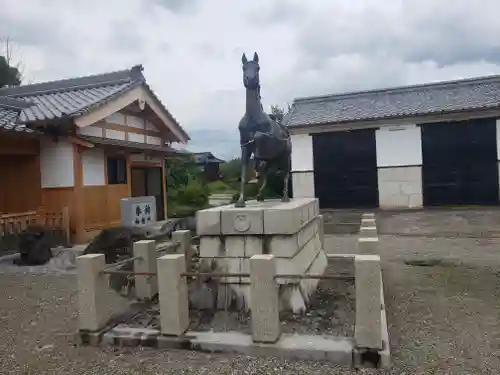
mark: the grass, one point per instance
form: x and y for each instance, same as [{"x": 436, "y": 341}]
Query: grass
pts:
[
  {"x": 220, "y": 187},
  {"x": 177, "y": 211}
]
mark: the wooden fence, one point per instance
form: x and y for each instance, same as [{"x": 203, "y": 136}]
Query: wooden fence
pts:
[{"x": 13, "y": 224}]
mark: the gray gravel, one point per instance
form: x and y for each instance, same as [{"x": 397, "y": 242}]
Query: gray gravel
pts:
[{"x": 442, "y": 319}]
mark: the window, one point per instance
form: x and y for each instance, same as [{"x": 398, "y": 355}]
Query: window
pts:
[{"x": 117, "y": 170}]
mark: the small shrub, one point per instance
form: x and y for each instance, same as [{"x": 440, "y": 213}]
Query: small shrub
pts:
[
  {"x": 194, "y": 194},
  {"x": 220, "y": 187}
]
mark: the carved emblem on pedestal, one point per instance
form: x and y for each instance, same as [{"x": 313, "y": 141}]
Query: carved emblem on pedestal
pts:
[{"x": 241, "y": 223}]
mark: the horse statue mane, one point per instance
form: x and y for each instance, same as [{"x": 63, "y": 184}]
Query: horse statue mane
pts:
[{"x": 262, "y": 135}]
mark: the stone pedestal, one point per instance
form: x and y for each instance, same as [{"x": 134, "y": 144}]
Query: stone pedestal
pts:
[{"x": 290, "y": 231}]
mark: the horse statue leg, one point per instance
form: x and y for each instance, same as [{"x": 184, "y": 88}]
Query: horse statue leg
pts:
[
  {"x": 245, "y": 159},
  {"x": 287, "y": 169},
  {"x": 263, "y": 170}
]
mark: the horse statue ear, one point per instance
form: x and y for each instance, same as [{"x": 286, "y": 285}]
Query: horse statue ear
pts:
[
  {"x": 244, "y": 59},
  {"x": 255, "y": 57}
]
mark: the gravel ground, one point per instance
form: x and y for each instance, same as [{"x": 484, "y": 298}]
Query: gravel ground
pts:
[
  {"x": 442, "y": 319},
  {"x": 332, "y": 313}
]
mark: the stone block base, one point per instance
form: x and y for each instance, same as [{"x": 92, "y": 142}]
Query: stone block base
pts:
[{"x": 291, "y": 231}]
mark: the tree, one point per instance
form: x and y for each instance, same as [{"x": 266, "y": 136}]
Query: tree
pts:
[
  {"x": 231, "y": 169},
  {"x": 278, "y": 112},
  {"x": 180, "y": 170},
  {"x": 10, "y": 68}
]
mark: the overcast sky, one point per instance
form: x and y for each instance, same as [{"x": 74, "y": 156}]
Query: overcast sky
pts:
[{"x": 191, "y": 49}]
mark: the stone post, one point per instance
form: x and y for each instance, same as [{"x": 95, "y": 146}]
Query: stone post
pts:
[
  {"x": 368, "y": 330},
  {"x": 145, "y": 286},
  {"x": 173, "y": 295},
  {"x": 368, "y": 246},
  {"x": 184, "y": 239},
  {"x": 264, "y": 299},
  {"x": 92, "y": 288},
  {"x": 368, "y": 231}
]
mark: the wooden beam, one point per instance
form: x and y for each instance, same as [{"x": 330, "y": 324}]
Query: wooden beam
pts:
[{"x": 80, "y": 142}]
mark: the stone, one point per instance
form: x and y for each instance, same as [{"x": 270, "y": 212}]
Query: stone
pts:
[
  {"x": 145, "y": 286},
  {"x": 92, "y": 287},
  {"x": 368, "y": 302},
  {"x": 321, "y": 230},
  {"x": 368, "y": 231},
  {"x": 173, "y": 295},
  {"x": 208, "y": 221},
  {"x": 318, "y": 267},
  {"x": 245, "y": 220},
  {"x": 183, "y": 238},
  {"x": 288, "y": 218},
  {"x": 264, "y": 299},
  {"x": 211, "y": 247},
  {"x": 400, "y": 187},
  {"x": 296, "y": 249},
  {"x": 34, "y": 246},
  {"x": 287, "y": 246},
  {"x": 300, "y": 262},
  {"x": 115, "y": 242}
]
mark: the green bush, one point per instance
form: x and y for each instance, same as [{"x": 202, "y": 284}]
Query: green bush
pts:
[
  {"x": 193, "y": 194},
  {"x": 219, "y": 187},
  {"x": 181, "y": 211}
]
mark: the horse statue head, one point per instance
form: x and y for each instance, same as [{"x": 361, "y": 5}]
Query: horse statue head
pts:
[{"x": 251, "y": 69}]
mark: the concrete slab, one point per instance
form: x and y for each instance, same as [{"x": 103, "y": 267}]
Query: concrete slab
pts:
[{"x": 257, "y": 218}]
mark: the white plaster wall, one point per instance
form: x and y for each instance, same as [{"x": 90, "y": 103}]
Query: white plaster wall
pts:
[
  {"x": 93, "y": 167},
  {"x": 153, "y": 140},
  {"x": 150, "y": 126},
  {"x": 116, "y": 118},
  {"x": 135, "y": 122},
  {"x": 91, "y": 130},
  {"x": 133, "y": 137},
  {"x": 302, "y": 152},
  {"x": 115, "y": 134},
  {"x": 303, "y": 184},
  {"x": 399, "y": 146},
  {"x": 56, "y": 164}
]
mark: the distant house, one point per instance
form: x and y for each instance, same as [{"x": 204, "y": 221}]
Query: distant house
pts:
[
  {"x": 209, "y": 164},
  {"x": 84, "y": 143}
]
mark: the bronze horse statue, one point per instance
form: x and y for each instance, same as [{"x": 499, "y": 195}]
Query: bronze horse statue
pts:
[{"x": 262, "y": 136}]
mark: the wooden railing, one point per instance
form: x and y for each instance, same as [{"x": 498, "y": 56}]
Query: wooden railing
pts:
[{"x": 14, "y": 223}]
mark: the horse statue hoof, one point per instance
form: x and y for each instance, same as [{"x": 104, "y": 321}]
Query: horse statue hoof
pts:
[{"x": 240, "y": 204}]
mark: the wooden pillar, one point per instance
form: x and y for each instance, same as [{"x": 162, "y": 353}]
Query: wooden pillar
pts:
[
  {"x": 129, "y": 174},
  {"x": 164, "y": 187},
  {"x": 79, "y": 204}
]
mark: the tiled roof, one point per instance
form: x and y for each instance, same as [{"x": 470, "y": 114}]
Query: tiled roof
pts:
[
  {"x": 127, "y": 144},
  {"x": 433, "y": 98},
  {"x": 71, "y": 97},
  {"x": 206, "y": 157},
  {"x": 9, "y": 114},
  {"x": 76, "y": 96}
]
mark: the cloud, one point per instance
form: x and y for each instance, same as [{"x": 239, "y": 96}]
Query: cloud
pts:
[
  {"x": 175, "y": 6},
  {"x": 191, "y": 49}
]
